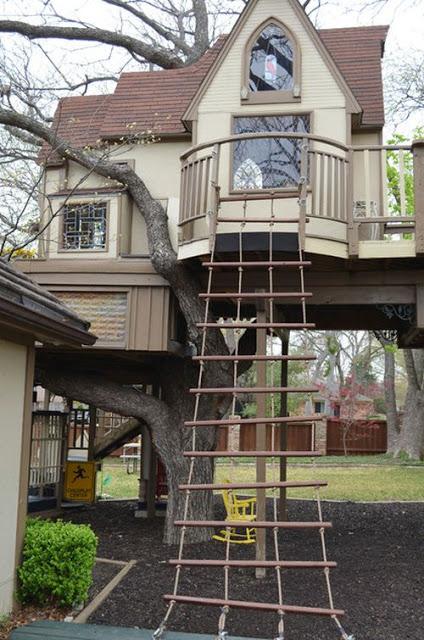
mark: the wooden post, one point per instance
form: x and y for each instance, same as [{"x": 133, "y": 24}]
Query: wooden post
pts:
[
  {"x": 151, "y": 492},
  {"x": 352, "y": 226},
  {"x": 282, "y": 506},
  {"x": 91, "y": 431},
  {"x": 418, "y": 157},
  {"x": 261, "y": 445}
]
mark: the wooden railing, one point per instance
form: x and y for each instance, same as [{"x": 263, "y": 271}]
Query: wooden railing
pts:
[{"x": 376, "y": 191}]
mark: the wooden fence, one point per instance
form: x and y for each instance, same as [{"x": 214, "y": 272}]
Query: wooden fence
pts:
[
  {"x": 362, "y": 437},
  {"x": 300, "y": 437}
]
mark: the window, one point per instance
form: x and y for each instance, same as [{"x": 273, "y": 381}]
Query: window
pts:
[
  {"x": 272, "y": 65},
  {"x": 267, "y": 163},
  {"x": 84, "y": 226},
  {"x": 319, "y": 406},
  {"x": 271, "y": 61}
]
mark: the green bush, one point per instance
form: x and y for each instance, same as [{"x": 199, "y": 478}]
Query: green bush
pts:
[{"x": 58, "y": 559}]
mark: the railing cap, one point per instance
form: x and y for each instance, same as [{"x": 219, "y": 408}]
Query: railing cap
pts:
[{"x": 261, "y": 135}]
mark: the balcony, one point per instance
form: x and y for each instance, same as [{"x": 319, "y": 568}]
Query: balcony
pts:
[{"x": 351, "y": 201}]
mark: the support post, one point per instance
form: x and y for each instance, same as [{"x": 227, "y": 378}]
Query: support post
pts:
[
  {"x": 261, "y": 446},
  {"x": 282, "y": 506},
  {"x": 418, "y": 159},
  {"x": 92, "y": 426},
  {"x": 352, "y": 226}
]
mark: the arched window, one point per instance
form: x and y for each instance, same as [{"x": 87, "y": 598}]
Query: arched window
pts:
[{"x": 272, "y": 65}]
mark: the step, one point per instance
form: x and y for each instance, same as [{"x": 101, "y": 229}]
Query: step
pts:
[
  {"x": 255, "y": 325},
  {"x": 265, "y": 564},
  {"x": 252, "y": 454},
  {"x": 253, "y": 358},
  {"x": 262, "y": 606},
  {"x": 255, "y": 524},
  {"x": 252, "y": 485},
  {"x": 240, "y": 390},
  {"x": 251, "y": 295},
  {"x": 254, "y": 264},
  {"x": 315, "y": 417}
]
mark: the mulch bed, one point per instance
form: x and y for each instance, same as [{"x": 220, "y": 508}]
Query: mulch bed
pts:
[{"x": 379, "y": 579}]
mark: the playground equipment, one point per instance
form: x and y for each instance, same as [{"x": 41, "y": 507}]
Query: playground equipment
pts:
[
  {"x": 242, "y": 258},
  {"x": 131, "y": 454},
  {"x": 239, "y": 509}
]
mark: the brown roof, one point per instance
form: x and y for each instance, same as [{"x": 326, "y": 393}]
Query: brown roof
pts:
[
  {"x": 357, "y": 52},
  {"x": 156, "y": 100}
]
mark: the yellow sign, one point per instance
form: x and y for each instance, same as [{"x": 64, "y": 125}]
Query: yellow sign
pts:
[{"x": 80, "y": 481}]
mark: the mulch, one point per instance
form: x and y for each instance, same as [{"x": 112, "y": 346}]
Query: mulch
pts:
[{"x": 379, "y": 580}]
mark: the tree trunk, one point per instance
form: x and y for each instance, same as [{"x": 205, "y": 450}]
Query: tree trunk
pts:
[
  {"x": 392, "y": 417},
  {"x": 411, "y": 439}
]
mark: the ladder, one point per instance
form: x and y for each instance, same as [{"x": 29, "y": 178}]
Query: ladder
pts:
[{"x": 268, "y": 324}]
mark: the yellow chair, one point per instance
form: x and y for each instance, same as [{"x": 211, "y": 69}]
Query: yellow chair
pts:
[{"x": 241, "y": 510}]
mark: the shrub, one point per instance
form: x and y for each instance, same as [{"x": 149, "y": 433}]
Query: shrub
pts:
[{"x": 58, "y": 559}]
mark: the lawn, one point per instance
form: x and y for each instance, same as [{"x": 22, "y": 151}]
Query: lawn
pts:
[{"x": 361, "y": 482}]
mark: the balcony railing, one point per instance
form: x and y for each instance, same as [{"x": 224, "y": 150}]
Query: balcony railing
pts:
[{"x": 362, "y": 192}]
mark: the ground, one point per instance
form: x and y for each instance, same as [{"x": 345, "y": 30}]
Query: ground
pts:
[{"x": 379, "y": 580}]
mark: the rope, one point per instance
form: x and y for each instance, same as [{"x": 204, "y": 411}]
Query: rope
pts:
[{"x": 158, "y": 634}]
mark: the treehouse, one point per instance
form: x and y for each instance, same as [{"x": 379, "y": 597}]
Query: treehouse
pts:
[{"x": 277, "y": 125}]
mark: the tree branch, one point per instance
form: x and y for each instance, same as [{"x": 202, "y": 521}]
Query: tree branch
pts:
[{"x": 154, "y": 54}]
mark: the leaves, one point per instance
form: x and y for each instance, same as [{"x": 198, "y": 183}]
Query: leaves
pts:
[{"x": 58, "y": 559}]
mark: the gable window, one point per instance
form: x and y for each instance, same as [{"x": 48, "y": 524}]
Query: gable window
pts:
[
  {"x": 267, "y": 163},
  {"x": 84, "y": 226},
  {"x": 272, "y": 65}
]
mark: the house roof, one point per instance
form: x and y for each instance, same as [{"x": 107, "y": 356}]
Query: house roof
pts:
[
  {"x": 28, "y": 308},
  {"x": 157, "y": 100},
  {"x": 357, "y": 52}
]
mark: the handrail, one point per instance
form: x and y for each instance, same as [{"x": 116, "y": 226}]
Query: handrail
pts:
[{"x": 265, "y": 134}]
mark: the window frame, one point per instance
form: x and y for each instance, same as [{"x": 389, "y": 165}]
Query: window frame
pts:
[
  {"x": 277, "y": 96},
  {"x": 61, "y": 244},
  {"x": 290, "y": 191}
]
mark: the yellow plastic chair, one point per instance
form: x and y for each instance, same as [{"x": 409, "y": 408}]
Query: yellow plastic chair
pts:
[{"x": 241, "y": 510}]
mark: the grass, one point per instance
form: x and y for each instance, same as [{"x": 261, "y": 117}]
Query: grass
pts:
[{"x": 361, "y": 483}]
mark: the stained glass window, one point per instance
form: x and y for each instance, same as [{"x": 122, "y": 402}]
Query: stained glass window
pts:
[
  {"x": 84, "y": 226},
  {"x": 271, "y": 61},
  {"x": 267, "y": 163}
]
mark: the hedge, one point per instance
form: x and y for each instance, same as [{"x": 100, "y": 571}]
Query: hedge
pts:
[{"x": 58, "y": 560}]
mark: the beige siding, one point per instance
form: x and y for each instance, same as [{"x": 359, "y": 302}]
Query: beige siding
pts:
[
  {"x": 158, "y": 164},
  {"x": 13, "y": 359},
  {"x": 149, "y": 319}
]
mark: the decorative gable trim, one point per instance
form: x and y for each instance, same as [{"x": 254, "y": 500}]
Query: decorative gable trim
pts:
[{"x": 352, "y": 105}]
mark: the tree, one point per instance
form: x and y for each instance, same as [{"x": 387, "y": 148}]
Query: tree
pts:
[
  {"x": 405, "y": 86},
  {"x": 387, "y": 341},
  {"x": 411, "y": 439}
]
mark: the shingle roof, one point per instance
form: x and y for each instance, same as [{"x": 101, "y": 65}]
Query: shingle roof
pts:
[
  {"x": 357, "y": 52},
  {"x": 23, "y": 302},
  {"x": 156, "y": 100}
]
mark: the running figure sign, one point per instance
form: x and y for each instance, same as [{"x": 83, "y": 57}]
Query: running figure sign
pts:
[{"x": 80, "y": 481}]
